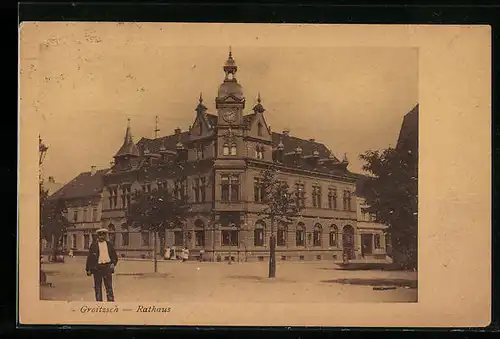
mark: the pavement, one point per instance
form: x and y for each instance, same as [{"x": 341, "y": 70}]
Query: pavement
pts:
[{"x": 241, "y": 282}]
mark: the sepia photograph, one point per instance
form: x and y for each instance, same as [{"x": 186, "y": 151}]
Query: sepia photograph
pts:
[{"x": 173, "y": 172}]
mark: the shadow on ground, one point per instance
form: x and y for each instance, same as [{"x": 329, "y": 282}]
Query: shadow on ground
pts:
[
  {"x": 376, "y": 282},
  {"x": 260, "y": 278}
]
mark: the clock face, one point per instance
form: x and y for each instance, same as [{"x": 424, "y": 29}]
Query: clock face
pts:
[{"x": 229, "y": 116}]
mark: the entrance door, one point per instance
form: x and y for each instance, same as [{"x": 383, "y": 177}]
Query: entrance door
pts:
[
  {"x": 366, "y": 244},
  {"x": 348, "y": 241}
]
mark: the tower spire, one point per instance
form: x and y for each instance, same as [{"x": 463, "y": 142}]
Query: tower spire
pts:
[
  {"x": 128, "y": 148},
  {"x": 258, "y": 108}
]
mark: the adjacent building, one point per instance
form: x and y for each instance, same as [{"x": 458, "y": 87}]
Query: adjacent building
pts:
[
  {"x": 217, "y": 163},
  {"x": 83, "y": 197}
]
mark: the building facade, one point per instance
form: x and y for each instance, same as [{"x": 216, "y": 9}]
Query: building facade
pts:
[
  {"x": 83, "y": 198},
  {"x": 217, "y": 163}
]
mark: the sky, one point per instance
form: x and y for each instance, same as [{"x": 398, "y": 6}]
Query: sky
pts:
[{"x": 81, "y": 81}]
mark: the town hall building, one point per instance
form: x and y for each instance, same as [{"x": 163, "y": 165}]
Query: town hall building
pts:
[{"x": 217, "y": 163}]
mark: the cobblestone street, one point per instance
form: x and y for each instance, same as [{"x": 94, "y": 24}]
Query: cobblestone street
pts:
[{"x": 237, "y": 283}]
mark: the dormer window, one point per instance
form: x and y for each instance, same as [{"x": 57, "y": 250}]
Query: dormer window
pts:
[
  {"x": 259, "y": 129},
  {"x": 233, "y": 148},
  {"x": 200, "y": 128},
  {"x": 225, "y": 149}
]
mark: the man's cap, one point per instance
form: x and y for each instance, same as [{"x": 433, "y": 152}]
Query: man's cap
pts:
[{"x": 102, "y": 230}]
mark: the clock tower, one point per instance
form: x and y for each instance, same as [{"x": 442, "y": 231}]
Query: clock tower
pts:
[{"x": 230, "y": 101}]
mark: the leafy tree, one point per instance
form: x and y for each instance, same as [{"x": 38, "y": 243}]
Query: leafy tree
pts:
[
  {"x": 392, "y": 195},
  {"x": 156, "y": 211},
  {"x": 53, "y": 221},
  {"x": 281, "y": 206}
]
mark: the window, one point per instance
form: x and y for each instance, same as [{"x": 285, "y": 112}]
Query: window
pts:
[
  {"x": 145, "y": 238},
  {"x": 202, "y": 189},
  {"x": 282, "y": 235},
  {"x": 258, "y": 235},
  {"x": 230, "y": 188},
  {"x": 259, "y": 129},
  {"x": 259, "y": 152},
  {"x": 126, "y": 196},
  {"x": 86, "y": 241},
  {"x": 316, "y": 196},
  {"x": 333, "y": 236},
  {"x": 376, "y": 240},
  {"x": 75, "y": 216},
  {"x": 317, "y": 235},
  {"x": 113, "y": 197},
  {"x": 125, "y": 239},
  {"x": 73, "y": 241},
  {"x": 200, "y": 154},
  {"x": 180, "y": 189},
  {"x": 199, "y": 238},
  {"x": 199, "y": 190},
  {"x": 225, "y": 149},
  {"x": 146, "y": 188},
  {"x": 178, "y": 238},
  {"x": 230, "y": 238},
  {"x": 199, "y": 233},
  {"x": 233, "y": 149},
  {"x": 85, "y": 214},
  {"x": 332, "y": 198},
  {"x": 258, "y": 190},
  {"x": 300, "y": 235},
  {"x": 94, "y": 214},
  {"x": 347, "y": 200},
  {"x": 112, "y": 237},
  {"x": 65, "y": 240},
  {"x": 301, "y": 195}
]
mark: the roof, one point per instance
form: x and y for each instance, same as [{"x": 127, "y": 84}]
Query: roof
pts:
[
  {"x": 84, "y": 185},
  {"x": 169, "y": 142},
  {"x": 308, "y": 146},
  {"x": 408, "y": 135},
  {"x": 128, "y": 147},
  {"x": 212, "y": 119}
]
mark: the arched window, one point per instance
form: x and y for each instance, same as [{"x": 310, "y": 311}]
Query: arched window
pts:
[
  {"x": 282, "y": 234},
  {"x": 200, "y": 128},
  {"x": 225, "y": 149},
  {"x": 317, "y": 235},
  {"x": 334, "y": 236},
  {"x": 300, "y": 234},
  {"x": 259, "y": 233},
  {"x": 199, "y": 233},
  {"x": 259, "y": 152},
  {"x": 233, "y": 148}
]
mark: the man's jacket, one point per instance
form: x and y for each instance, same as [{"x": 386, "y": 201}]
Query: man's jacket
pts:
[{"x": 93, "y": 256}]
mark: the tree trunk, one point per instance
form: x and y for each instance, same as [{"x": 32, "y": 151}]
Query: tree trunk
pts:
[
  {"x": 54, "y": 248},
  {"x": 155, "y": 234},
  {"x": 272, "y": 252}
]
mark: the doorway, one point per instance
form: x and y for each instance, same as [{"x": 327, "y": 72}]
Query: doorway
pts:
[{"x": 348, "y": 241}]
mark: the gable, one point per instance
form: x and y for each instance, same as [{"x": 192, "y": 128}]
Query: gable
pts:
[
  {"x": 253, "y": 125},
  {"x": 206, "y": 128}
]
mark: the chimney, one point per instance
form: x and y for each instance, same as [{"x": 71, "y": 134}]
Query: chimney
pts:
[
  {"x": 286, "y": 132},
  {"x": 177, "y": 131},
  {"x": 93, "y": 170}
]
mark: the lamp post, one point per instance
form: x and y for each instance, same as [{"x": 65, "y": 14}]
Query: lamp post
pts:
[{"x": 42, "y": 151}]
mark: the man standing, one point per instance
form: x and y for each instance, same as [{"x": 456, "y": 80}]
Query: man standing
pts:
[{"x": 101, "y": 262}]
